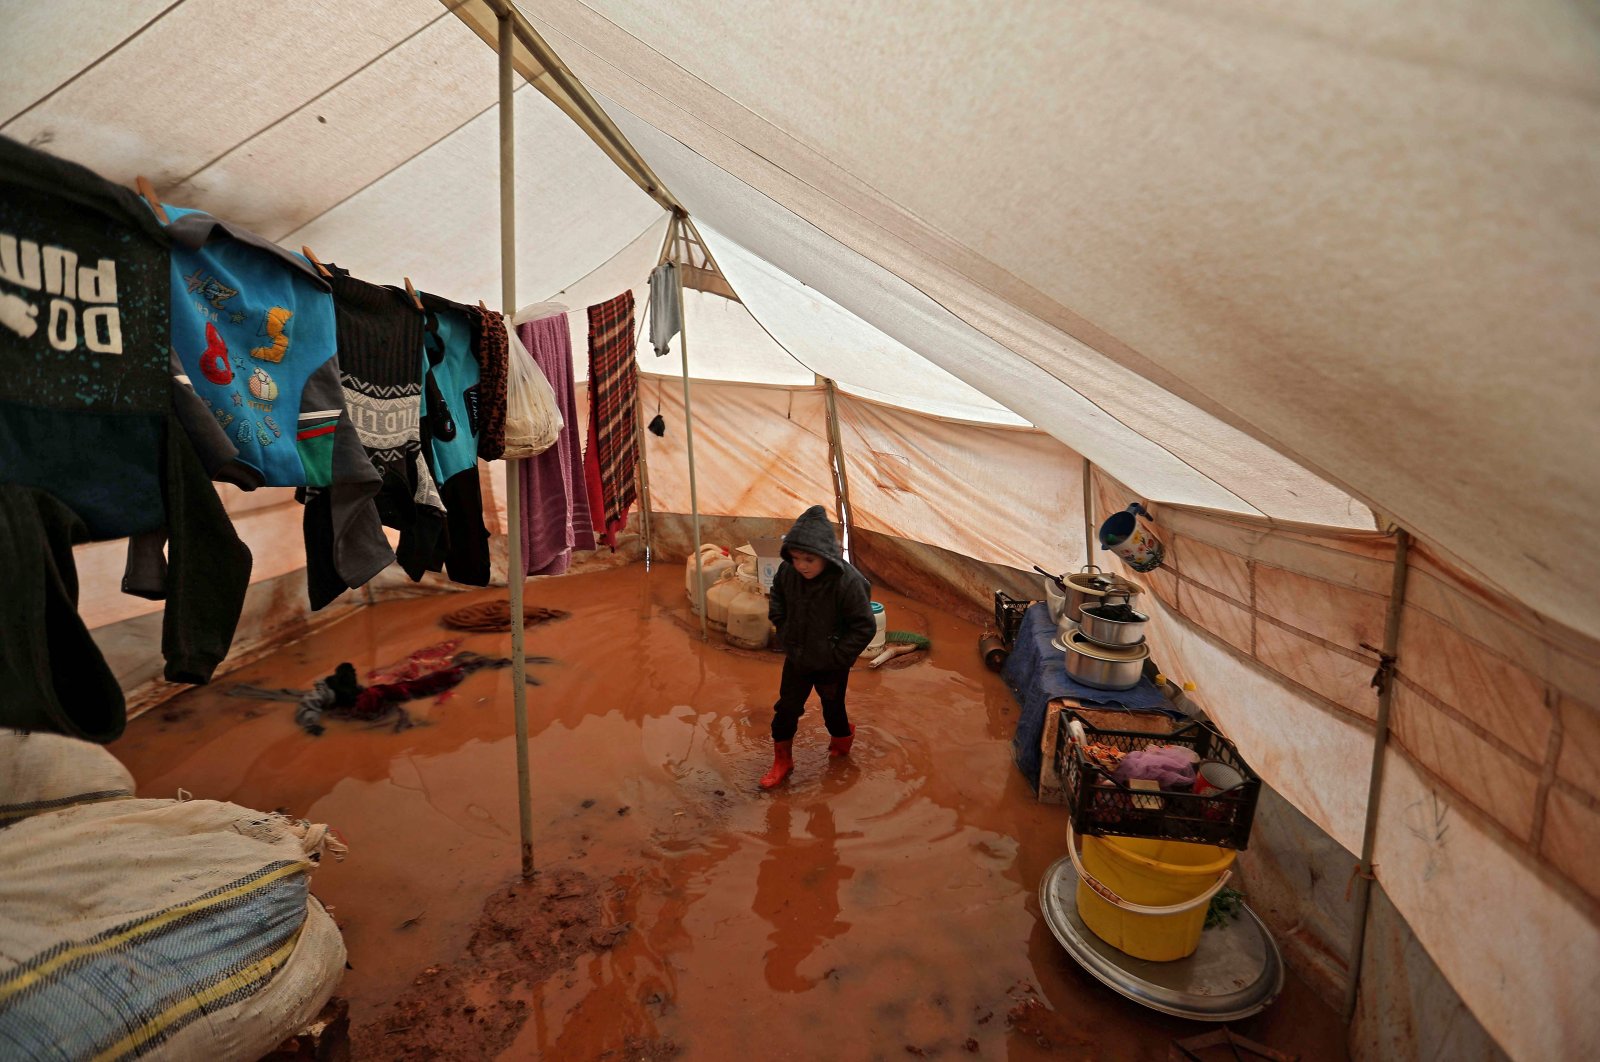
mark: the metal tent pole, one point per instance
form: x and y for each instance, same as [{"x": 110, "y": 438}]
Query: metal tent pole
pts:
[
  {"x": 688, "y": 434},
  {"x": 1380, "y": 743},
  {"x": 1088, "y": 513},
  {"x": 643, "y": 473},
  {"x": 515, "y": 576}
]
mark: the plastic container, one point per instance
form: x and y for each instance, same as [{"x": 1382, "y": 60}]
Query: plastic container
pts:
[
  {"x": 1101, "y": 805},
  {"x": 748, "y": 627},
  {"x": 1173, "y": 876},
  {"x": 718, "y": 598},
  {"x": 1008, "y": 612},
  {"x": 875, "y": 646},
  {"x": 715, "y": 563}
]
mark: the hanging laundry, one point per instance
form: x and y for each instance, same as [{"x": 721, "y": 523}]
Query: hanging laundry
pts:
[
  {"x": 254, "y": 331},
  {"x": 52, "y": 675},
  {"x": 555, "y": 498},
  {"x": 666, "y": 307},
  {"x": 381, "y": 366},
  {"x": 490, "y": 348},
  {"x": 84, "y": 386},
  {"x": 534, "y": 418},
  {"x": 87, "y": 395},
  {"x": 612, "y": 459},
  {"x": 451, "y": 408}
]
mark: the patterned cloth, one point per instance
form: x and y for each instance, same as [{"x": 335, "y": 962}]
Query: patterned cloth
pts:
[
  {"x": 489, "y": 346},
  {"x": 613, "y": 453},
  {"x": 380, "y": 337},
  {"x": 555, "y": 498}
]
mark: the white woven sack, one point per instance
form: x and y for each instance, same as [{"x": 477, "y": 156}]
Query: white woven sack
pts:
[
  {"x": 44, "y": 772},
  {"x": 159, "y": 929},
  {"x": 533, "y": 417}
]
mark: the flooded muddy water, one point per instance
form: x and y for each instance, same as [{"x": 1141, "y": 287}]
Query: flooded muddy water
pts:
[{"x": 878, "y": 906}]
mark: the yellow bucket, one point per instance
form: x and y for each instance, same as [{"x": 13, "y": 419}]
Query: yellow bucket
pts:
[{"x": 1148, "y": 897}]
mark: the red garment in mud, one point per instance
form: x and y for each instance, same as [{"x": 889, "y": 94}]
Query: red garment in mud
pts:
[
  {"x": 376, "y": 700},
  {"x": 419, "y": 664}
]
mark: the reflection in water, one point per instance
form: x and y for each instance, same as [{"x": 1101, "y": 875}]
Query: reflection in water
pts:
[
  {"x": 895, "y": 890},
  {"x": 797, "y": 885}
]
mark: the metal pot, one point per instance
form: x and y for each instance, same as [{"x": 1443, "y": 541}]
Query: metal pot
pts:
[
  {"x": 1102, "y": 631},
  {"x": 1102, "y": 667},
  {"x": 1091, "y": 586}
]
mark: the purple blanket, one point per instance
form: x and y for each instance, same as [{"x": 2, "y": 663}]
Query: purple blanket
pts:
[{"x": 555, "y": 499}]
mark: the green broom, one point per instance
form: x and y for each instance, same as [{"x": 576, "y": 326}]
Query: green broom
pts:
[{"x": 899, "y": 643}]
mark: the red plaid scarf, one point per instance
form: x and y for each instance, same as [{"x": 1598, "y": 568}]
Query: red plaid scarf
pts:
[{"x": 613, "y": 453}]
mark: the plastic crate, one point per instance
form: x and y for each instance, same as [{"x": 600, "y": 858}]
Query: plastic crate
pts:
[
  {"x": 1101, "y": 805},
  {"x": 1008, "y": 612}
]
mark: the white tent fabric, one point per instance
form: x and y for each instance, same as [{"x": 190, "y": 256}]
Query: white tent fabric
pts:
[
  {"x": 1286, "y": 263},
  {"x": 1106, "y": 413},
  {"x": 835, "y": 343},
  {"x": 1289, "y": 218}
]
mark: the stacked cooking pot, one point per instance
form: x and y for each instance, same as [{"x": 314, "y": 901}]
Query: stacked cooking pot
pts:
[{"x": 1099, "y": 630}]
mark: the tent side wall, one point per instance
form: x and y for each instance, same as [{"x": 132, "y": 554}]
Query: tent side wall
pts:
[
  {"x": 1490, "y": 795},
  {"x": 1491, "y": 787}
]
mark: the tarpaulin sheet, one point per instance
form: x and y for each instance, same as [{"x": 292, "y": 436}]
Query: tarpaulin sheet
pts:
[{"x": 1036, "y": 671}]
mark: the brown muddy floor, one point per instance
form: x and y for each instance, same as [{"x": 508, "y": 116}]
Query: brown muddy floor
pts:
[{"x": 878, "y": 907}]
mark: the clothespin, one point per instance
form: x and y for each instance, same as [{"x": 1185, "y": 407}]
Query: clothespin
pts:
[
  {"x": 311, "y": 256},
  {"x": 415, "y": 298},
  {"x": 148, "y": 191}
]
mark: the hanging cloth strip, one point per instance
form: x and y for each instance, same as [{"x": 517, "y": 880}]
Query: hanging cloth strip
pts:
[
  {"x": 613, "y": 452},
  {"x": 489, "y": 347},
  {"x": 666, "y": 309}
]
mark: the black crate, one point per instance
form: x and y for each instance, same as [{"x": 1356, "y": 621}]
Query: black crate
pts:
[
  {"x": 1101, "y": 805},
  {"x": 1008, "y": 612}
]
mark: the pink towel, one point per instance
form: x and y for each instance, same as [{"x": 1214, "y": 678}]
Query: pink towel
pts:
[{"x": 555, "y": 499}]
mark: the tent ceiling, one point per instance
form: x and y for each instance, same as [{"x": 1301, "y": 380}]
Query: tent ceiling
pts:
[
  {"x": 1208, "y": 249},
  {"x": 1372, "y": 244}
]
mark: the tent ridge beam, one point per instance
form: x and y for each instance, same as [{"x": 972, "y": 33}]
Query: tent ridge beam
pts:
[{"x": 570, "y": 95}]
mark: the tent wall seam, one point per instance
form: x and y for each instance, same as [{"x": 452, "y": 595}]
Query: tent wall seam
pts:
[
  {"x": 102, "y": 57},
  {"x": 553, "y": 296},
  {"x": 296, "y": 110},
  {"x": 291, "y": 236}
]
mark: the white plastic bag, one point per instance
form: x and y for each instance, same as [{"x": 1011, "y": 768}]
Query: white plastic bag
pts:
[
  {"x": 178, "y": 929},
  {"x": 533, "y": 417}
]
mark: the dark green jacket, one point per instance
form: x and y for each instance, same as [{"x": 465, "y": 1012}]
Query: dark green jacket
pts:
[{"x": 823, "y": 623}]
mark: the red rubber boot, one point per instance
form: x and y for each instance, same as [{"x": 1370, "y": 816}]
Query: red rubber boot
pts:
[
  {"x": 841, "y": 746},
  {"x": 782, "y": 764}
]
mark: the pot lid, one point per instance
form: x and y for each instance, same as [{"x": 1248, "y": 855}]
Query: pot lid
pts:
[
  {"x": 1078, "y": 643},
  {"x": 1079, "y": 581},
  {"x": 1237, "y": 971},
  {"x": 1094, "y": 612}
]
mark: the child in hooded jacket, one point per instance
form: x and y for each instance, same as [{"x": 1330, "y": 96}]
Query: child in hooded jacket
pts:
[{"x": 822, "y": 609}]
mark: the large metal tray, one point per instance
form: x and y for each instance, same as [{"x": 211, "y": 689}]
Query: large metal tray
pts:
[{"x": 1236, "y": 972}]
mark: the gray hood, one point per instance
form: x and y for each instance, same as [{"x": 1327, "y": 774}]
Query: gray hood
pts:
[{"x": 814, "y": 534}]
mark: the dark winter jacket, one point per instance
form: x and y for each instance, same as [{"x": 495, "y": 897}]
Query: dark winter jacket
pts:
[{"x": 823, "y": 623}]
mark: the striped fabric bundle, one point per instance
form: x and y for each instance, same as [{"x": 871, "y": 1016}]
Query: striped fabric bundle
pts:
[
  {"x": 132, "y": 927},
  {"x": 613, "y": 453}
]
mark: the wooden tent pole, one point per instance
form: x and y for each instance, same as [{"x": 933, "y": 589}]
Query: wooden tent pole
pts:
[
  {"x": 515, "y": 576},
  {"x": 688, "y": 434},
  {"x": 841, "y": 479},
  {"x": 1364, "y": 872}
]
